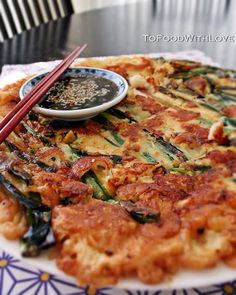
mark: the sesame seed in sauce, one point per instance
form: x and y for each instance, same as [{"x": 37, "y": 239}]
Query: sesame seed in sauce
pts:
[{"x": 79, "y": 92}]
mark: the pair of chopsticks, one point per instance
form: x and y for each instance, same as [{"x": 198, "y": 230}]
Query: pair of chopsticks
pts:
[{"x": 8, "y": 124}]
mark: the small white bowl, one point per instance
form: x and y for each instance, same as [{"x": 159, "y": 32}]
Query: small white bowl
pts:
[{"x": 80, "y": 114}]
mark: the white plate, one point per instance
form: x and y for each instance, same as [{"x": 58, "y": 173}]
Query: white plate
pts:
[{"x": 182, "y": 280}]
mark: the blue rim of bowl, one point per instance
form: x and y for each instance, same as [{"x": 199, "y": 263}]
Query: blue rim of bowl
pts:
[{"x": 116, "y": 78}]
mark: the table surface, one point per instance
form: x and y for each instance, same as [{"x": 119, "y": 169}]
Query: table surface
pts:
[{"x": 121, "y": 29}]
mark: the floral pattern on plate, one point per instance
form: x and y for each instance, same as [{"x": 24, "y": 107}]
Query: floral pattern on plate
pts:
[{"x": 17, "y": 279}]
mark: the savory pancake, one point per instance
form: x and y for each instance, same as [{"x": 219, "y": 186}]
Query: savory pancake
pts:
[{"x": 142, "y": 190}]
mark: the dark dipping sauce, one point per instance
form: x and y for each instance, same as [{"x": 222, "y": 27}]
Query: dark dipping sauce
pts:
[{"x": 80, "y": 91}]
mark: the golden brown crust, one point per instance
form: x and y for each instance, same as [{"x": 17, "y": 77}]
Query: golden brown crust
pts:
[
  {"x": 12, "y": 217},
  {"x": 169, "y": 147}
]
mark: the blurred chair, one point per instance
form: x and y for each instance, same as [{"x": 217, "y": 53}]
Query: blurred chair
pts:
[
  {"x": 19, "y": 15},
  {"x": 203, "y": 8}
]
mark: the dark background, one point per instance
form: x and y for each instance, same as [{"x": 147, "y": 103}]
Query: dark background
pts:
[{"x": 120, "y": 29}]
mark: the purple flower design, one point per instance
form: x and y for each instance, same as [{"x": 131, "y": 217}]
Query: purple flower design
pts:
[
  {"x": 20, "y": 280},
  {"x": 223, "y": 289}
]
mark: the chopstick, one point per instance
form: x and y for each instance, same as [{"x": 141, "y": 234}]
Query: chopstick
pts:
[
  {"x": 8, "y": 124},
  {"x": 37, "y": 87}
]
